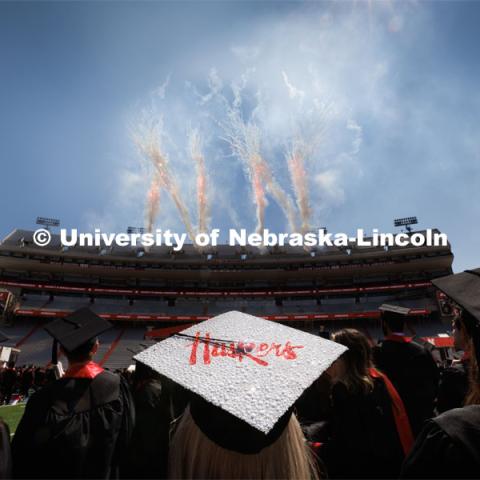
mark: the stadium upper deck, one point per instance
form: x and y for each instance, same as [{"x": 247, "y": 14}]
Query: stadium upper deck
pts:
[
  {"x": 161, "y": 288},
  {"x": 224, "y": 266}
]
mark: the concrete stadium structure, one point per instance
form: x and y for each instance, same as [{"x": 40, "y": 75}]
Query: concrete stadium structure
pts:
[{"x": 151, "y": 294}]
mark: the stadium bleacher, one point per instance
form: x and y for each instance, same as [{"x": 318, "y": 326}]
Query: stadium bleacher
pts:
[{"x": 331, "y": 288}]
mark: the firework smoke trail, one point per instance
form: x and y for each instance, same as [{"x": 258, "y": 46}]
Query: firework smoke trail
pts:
[
  {"x": 244, "y": 140},
  {"x": 283, "y": 200},
  {"x": 202, "y": 197},
  {"x": 149, "y": 145},
  {"x": 153, "y": 202},
  {"x": 296, "y": 167},
  {"x": 258, "y": 191}
]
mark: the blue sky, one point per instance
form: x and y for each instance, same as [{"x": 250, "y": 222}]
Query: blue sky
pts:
[{"x": 399, "y": 82}]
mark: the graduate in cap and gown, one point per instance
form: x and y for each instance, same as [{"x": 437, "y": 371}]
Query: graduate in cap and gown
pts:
[
  {"x": 409, "y": 365},
  {"x": 370, "y": 432},
  {"x": 449, "y": 445},
  {"x": 453, "y": 385},
  {"x": 5, "y": 453},
  {"x": 244, "y": 374},
  {"x": 80, "y": 425}
]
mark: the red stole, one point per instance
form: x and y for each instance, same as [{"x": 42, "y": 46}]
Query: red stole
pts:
[
  {"x": 86, "y": 370},
  {"x": 399, "y": 413}
]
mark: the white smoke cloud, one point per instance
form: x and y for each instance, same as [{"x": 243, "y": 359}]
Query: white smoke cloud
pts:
[
  {"x": 293, "y": 92},
  {"x": 330, "y": 188},
  {"x": 310, "y": 79}
]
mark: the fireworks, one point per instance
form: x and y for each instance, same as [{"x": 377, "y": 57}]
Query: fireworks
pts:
[
  {"x": 147, "y": 140},
  {"x": 296, "y": 167},
  {"x": 202, "y": 197},
  {"x": 153, "y": 202},
  {"x": 244, "y": 139},
  {"x": 242, "y": 122}
]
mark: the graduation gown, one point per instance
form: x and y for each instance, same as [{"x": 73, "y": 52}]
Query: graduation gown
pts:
[
  {"x": 413, "y": 372},
  {"x": 364, "y": 440},
  {"x": 447, "y": 447},
  {"x": 147, "y": 456},
  {"x": 77, "y": 427},
  {"x": 453, "y": 387},
  {"x": 5, "y": 451}
]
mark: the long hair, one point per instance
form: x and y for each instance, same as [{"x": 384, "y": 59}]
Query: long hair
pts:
[
  {"x": 358, "y": 360},
  {"x": 193, "y": 455},
  {"x": 473, "y": 345}
]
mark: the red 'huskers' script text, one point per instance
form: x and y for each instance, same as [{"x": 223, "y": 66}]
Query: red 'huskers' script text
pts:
[{"x": 207, "y": 348}]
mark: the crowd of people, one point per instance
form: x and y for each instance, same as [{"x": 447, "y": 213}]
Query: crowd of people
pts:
[
  {"x": 18, "y": 383},
  {"x": 377, "y": 411}
]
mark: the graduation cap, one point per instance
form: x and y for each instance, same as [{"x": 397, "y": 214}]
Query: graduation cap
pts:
[
  {"x": 386, "y": 307},
  {"x": 76, "y": 329},
  {"x": 3, "y": 338},
  {"x": 244, "y": 373},
  {"x": 464, "y": 289}
]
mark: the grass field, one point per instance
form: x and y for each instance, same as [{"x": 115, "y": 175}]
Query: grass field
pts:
[{"x": 12, "y": 414}]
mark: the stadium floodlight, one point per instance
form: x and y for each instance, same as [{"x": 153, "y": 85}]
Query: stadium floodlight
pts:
[
  {"x": 140, "y": 230},
  {"x": 405, "y": 222},
  {"x": 319, "y": 229},
  {"x": 48, "y": 222}
]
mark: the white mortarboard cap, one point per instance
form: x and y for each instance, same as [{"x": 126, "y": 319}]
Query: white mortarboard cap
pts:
[{"x": 251, "y": 368}]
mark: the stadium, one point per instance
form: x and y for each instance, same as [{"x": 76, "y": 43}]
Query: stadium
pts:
[{"x": 149, "y": 295}]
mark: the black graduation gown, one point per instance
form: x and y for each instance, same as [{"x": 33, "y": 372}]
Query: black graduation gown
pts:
[
  {"x": 364, "y": 441},
  {"x": 453, "y": 387},
  {"x": 147, "y": 455},
  {"x": 313, "y": 406},
  {"x": 5, "y": 451},
  {"x": 74, "y": 428},
  {"x": 414, "y": 374},
  {"x": 447, "y": 447}
]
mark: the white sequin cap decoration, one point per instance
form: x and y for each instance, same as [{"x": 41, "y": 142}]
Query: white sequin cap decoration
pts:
[{"x": 252, "y": 368}]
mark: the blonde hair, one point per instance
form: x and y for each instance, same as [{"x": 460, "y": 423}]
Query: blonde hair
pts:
[{"x": 193, "y": 455}]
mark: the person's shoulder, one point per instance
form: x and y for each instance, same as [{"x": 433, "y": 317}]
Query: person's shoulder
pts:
[
  {"x": 462, "y": 427},
  {"x": 45, "y": 396},
  {"x": 339, "y": 389},
  {"x": 391, "y": 350},
  {"x": 108, "y": 377},
  {"x": 107, "y": 384},
  {"x": 415, "y": 345},
  {"x": 45, "y": 392},
  {"x": 454, "y": 371},
  {"x": 417, "y": 350},
  {"x": 459, "y": 418}
]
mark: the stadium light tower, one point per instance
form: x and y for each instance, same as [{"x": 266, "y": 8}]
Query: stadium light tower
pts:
[
  {"x": 140, "y": 230},
  {"x": 48, "y": 222},
  {"x": 405, "y": 222}
]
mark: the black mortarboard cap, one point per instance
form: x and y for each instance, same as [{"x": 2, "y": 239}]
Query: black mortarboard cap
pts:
[
  {"x": 387, "y": 307},
  {"x": 463, "y": 288},
  {"x": 76, "y": 329}
]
